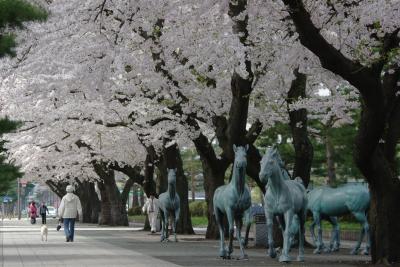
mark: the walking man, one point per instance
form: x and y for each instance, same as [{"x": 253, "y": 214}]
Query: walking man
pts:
[
  {"x": 42, "y": 210},
  {"x": 151, "y": 208},
  {"x": 70, "y": 206}
]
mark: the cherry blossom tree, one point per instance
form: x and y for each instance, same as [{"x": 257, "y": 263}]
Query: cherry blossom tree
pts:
[{"x": 359, "y": 41}]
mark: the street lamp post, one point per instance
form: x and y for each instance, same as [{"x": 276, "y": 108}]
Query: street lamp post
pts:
[{"x": 19, "y": 198}]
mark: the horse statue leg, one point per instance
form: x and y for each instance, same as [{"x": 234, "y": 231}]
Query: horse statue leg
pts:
[
  {"x": 270, "y": 223},
  {"x": 312, "y": 233},
  {"x": 319, "y": 243},
  {"x": 176, "y": 219},
  {"x": 301, "y": 221},
  {"x": 335, "y": 236},
  {"x": 362, "y": 218},
  {"x": 368, "y": 238},
  {"x": 239, "y": 223},
  {"x": 166, "y": 223},
  {"x": 286, "y": 238},
  {"x": 247, "y": 222},
  {"x": 162, "y": 215},
  {"x": 229, "y": 216},
  {"x": 218, "y": 218}
]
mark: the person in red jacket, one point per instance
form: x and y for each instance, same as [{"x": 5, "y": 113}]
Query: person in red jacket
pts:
[{"x": 33, "y": 212}]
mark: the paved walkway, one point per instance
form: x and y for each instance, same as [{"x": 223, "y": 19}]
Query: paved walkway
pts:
[{"x": 20, "y": 245}]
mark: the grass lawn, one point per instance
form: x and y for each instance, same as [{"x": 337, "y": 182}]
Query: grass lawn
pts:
[
  {"x": 199, "y": 221},
  {"x": 202, "y": 222},
  {"x": 196, "y": 221},
  {"x": 346, "y": 226},
  {"x": 137, "y": 218}
]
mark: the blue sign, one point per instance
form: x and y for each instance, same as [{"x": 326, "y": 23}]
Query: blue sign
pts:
[{"x": 7, "y": 199}]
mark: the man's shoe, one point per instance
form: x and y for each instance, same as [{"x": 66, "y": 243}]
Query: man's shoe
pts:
[
  {"x": 153, "y": 232},
  {"x": 67, "y": 239}
]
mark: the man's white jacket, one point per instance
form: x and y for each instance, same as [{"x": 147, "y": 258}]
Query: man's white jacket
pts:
[
  {"x": 70, "y": 206},
  {"x": 151, "y": 205}
]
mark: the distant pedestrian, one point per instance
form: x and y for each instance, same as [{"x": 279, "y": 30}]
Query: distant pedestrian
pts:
[
  {"x": 33, "y": 212},
  {"x": 70, "y": 206},
  {"x": 42, "y": 210},
  {"x": 151, "y": 208}
]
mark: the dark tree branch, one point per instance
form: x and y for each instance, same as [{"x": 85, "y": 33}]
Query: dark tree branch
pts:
[
  {"x": 331, "y": 59},
  {"x": 125, "y": 192},
  {"x": 254, "y": 132}
]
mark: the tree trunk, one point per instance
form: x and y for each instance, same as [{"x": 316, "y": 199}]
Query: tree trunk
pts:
[
  {"x": 384, "y": 185},
  {"x": 379, "y": 120},
  {"x": 213, "y": 178},
  {"x": 214, "y": 174},
  {"x": 162, "y": 177},
  {"x": 193, "y": 180},
  {"x": 384, "y": 217},
  {"x": 298, "y": 125},
  {"x": 113, "y": 211},
  {"x": 173, "y": 160},
  {"x": 149, "y": 185},
  {"x": 89, "y": 200}
]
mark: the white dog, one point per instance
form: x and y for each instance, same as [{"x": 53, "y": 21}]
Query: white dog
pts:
[{"x": 43, "y": 232}]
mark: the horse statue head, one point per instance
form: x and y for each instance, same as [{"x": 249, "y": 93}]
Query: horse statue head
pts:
[
  {"x": 240, "y": 162},
  {"x": 171, "y": 176},
  {"x": 269, "y": 163}
]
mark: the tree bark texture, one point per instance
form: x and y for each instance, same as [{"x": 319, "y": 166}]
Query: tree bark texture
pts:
[
  {"x": 378, "y": 133},
  {"x": 298, "y": 125},
  {"x": 89, "y": 200},
  {"x": 113, "y": 211},
  {"x": 213, "y": 174}
]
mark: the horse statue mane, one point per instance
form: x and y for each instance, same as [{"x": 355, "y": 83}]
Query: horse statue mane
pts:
[
  {"x": 169, "y": 206},
  {"x": 273, "y": 153},
  {"x": 283, "y": 197},
  {"x": 231, "y": 201}
]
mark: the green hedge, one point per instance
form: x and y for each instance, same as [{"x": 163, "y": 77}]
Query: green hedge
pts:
[
  {"x": 198, "y": 208},
  {"x": 135, "y": 211}
]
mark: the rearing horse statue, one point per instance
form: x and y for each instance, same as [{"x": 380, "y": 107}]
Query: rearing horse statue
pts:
[
  {"x": 169, "y": 206},
  {"x": 283, "y": 197},
  {"x": 232, "y": 200}
]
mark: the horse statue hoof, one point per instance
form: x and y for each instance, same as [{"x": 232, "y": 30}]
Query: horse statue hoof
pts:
[
  {"x": 300, "y": 258},
  {"x": 284, "y": 258},
  {"x": 327, "y": 250},
  {"x": 244, "y": 257},
  {"x": 272, "y": 253},
  {"x": 335, "y": 249},
  {"x": 317, "y": 251},
  {"x": 354, "y": 251},
  {"x": 223, "y": 254}
]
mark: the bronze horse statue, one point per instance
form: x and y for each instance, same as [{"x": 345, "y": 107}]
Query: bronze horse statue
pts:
[
  {"x": 169, "y": 206},
  {"x": 231, "y": 201},
  {"x": 331, "y": 202},
  {"x": 283, "y": 197}
]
